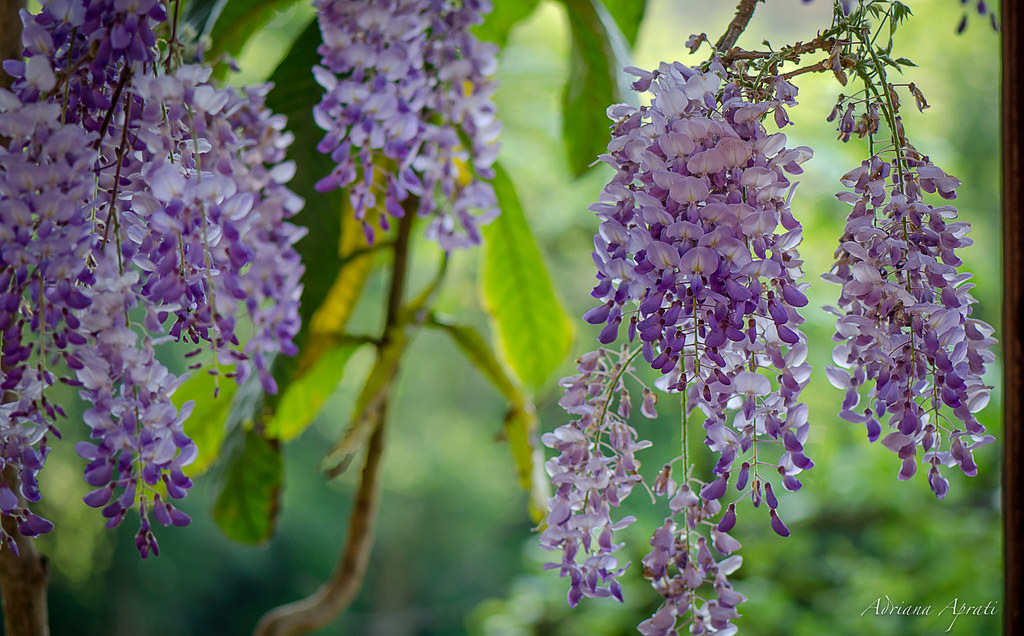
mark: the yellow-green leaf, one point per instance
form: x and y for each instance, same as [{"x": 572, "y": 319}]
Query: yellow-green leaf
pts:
[
  {"x": 304, "y": 396},
  {"x": 532, "y": 331},
  {"x": 521, "y": 432},
  {"x": 238, "y": 20},
  {"x": 207, "y": 425}
]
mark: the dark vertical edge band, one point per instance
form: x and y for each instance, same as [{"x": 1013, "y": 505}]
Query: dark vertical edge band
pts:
[{"x": 1012, "y": 331}]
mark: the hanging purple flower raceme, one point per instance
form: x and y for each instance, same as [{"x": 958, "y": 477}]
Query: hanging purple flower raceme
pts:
[
  {"x": 168, "y": 195},
  {"x": 904, "y": 325},
  {"x": 207, "y": 226},
  {"x": 408, "y": 111},
  {"x": 595, "y": 471},
  {"x": 45, "y": 232},
  {"x": 696, "y": 255},
  {"x": 142, "y": 442}
]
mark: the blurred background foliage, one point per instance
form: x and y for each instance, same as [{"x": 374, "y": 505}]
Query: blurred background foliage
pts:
[{"x": 455, "y": 552}]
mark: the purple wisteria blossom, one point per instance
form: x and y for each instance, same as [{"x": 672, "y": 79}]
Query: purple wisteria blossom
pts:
[
  {"x": 408, "y": 112},
  {"x": 45, "y": 235},
  {"x": 140, "y": 204},
  {"x": 595, "y": 471},
  {"x": 696, "y": 259},
  {"x": 904, "y": 325}
]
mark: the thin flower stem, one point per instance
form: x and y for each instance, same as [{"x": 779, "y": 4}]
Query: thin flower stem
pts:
[{"x": 611, "y": 387}]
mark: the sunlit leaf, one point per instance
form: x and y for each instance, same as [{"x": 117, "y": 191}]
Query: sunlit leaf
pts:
[
  {"x": 302, "y": 399},
  {"x": 237, "y": 21},
  {"x": 207, "y": 425},
  {"x": 246, "y": 509},
  {"x": 532, "y": 330},
  {"x": 599, "y": 53}
]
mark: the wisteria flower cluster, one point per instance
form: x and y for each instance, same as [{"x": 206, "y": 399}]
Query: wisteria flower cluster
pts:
[
  {"x": 696, "y": 254},
  {"x": 904, "y": 324},
  {"x": 408, "y": 112},
  {"x": 140, "y": 204},
  {"x": 592, "y": 474}
]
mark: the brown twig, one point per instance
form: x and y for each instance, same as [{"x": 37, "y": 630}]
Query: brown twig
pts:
[
  {"x": 337, "y": 593},
  {"x": 825, "y": 41},
  {"x": 23, "y": 578},
  {"x": 744, "y": 11},
  {"x": 10, "y": 36}
]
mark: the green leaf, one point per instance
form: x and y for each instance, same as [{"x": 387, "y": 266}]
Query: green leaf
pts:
[
  {"x": 599, "y": 53},
  {"x": 532, "y": 330},
  {"x": 505, "y": 15},
  {"x": 302, "y": 400},
  {"x": 207, "y": 425},
  {"x": 628, "y": 15},
  {"x": 246, "y": 509},
  {"x": 237, "y": 20}
]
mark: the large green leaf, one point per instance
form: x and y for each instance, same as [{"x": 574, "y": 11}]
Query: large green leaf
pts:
[
  {"x": 532, "y": 330},
  {"x": 237, "y": 20},
  {"x": 599, "y": 53},
  {"x": 505, "y": 15},
  {"x": 628, "y": 15},
  {"x": 246, "y": 509},
  {"x": 302, "y": 399},
  {"x": 207, "y": 425}
]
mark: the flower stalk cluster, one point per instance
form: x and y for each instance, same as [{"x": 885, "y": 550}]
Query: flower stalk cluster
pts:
[
  {"x": 696, "y": 259},
  {"x": 595, "y": 471},
  {"x": 904, "y": 324},
  {"x": 141, "y": 204},
  {"x": 907, "y": 344},
  {"x": 408, "y": 112}
]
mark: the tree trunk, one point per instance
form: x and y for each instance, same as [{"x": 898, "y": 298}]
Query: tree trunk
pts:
[
  {"x": 23, "y": 579},
  {"x": 1012, "y": 335}
]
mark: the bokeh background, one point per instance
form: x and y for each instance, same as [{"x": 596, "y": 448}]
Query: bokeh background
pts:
[{"x": 455, "y": 551}]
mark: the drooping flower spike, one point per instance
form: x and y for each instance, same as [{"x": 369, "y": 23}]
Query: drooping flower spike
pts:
[
  {"x": 140, "y": 204},
  {"x": 904, "y": 324},
  {"x": 408, "y": 112},
  {"x": 696, "y": 263}
]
